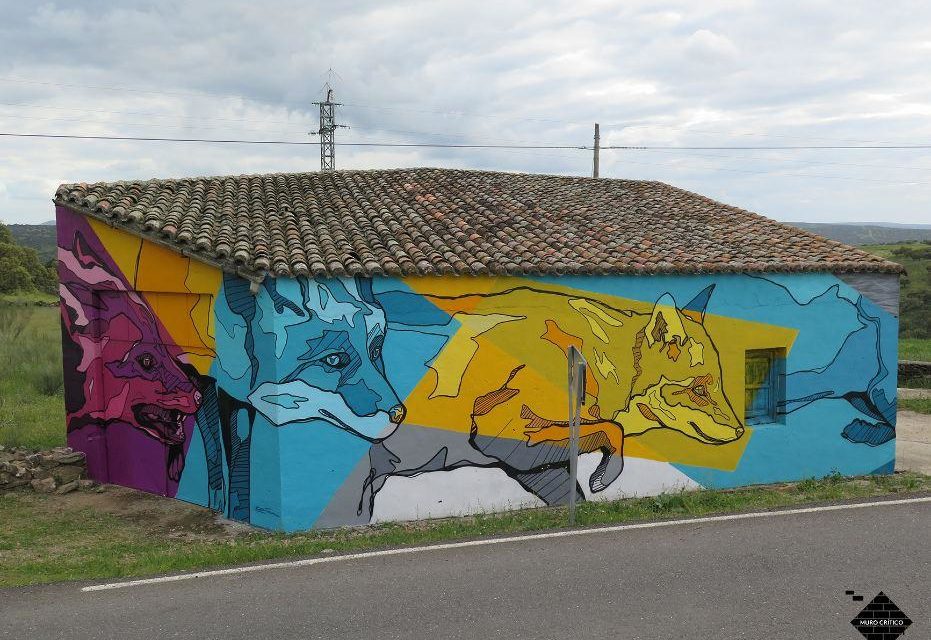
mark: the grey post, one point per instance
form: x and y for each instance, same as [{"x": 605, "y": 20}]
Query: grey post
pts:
[{"x": 577, "y": 366}]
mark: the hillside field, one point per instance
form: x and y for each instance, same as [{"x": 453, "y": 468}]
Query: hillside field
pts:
[{"x": 915, "y": 297}]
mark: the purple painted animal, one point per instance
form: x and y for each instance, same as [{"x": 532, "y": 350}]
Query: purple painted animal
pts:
[{"x": 120, "y": 367}]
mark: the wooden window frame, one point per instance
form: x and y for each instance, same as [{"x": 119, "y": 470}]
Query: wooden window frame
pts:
[{"x": 775, "y": 383}]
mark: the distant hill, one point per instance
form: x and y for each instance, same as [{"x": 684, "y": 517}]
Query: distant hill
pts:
[
  {"x": 914, "y": 316},
  {"x": 867, "y": 233},
  {"x": 40, "y": 237}
]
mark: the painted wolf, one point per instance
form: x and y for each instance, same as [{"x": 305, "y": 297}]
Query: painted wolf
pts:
[
  {"x": 501, "y": 379},
  {"x": 301, "y": 352},
  {"x": 129, "y": 373}
]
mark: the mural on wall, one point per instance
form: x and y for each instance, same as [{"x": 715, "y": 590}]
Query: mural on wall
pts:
[{"x": 340, "y": 401}]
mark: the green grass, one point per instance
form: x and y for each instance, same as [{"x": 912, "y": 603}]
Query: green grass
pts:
[
  {"x": 915, "y": 298},
  {"x": 915, "y": 348},
  {"x": 920, "y": 405},
  {"x": 42, "y": 539},
  {"x": 28, "y": 297},
  {"x": 32, "y": 412}
]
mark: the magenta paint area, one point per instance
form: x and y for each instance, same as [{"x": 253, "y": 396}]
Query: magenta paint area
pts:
[{"x": 130, "y": 398}]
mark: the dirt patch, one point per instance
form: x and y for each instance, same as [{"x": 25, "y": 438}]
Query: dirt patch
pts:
[{"x": 156, "y": 514}]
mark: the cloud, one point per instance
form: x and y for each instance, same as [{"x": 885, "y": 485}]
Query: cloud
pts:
[
  {"x": 726, "y": 72},
  {"x": 710, "y": 46}
]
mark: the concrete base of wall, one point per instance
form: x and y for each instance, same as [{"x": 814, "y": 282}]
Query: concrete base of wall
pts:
[
  {"x": 913, "y": 394},
  {"x": 913, "y": 442}
]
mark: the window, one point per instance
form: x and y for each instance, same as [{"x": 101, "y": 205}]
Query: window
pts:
[{"x": 764, "y": 384}]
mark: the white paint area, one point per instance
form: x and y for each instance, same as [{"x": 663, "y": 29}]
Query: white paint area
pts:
[
  {"x": 508, "y": 540},
  {"x": 472, "y": 490},
  {"x": 640, "y": 478},
  {"x": 450, "y": 493}
]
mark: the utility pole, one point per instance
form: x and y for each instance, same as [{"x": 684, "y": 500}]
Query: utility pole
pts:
[
  {"x": 327, "y": 130},
  {"x": 597, "y": 149}
]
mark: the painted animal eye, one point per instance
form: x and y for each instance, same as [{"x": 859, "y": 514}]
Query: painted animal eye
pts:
[
  {"x": 699, "y": 390},
  {"x": 336, "y": 360},
  {"x": 146, "y": 361},
  {"x": 376, "y": 352}
]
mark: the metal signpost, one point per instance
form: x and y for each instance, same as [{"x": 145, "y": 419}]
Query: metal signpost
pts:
[{"x": 577, "y": 369}]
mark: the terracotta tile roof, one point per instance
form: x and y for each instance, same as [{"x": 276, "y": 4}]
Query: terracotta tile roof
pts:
[{"x": 449, "y": 221}]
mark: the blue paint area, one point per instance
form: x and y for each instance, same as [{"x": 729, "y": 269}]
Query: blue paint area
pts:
[
  {"x": 406, "y": 354},
  {"x": 411, "y": 310},
  {"x": 193, "y": 484},
  {"x": 811, "y": 446},
  {"x": 418, "y": 330},
  {"x": 265, "y": 497},
  {"x": 856, "y": 373},
  {"x": 886, "y": 469},
  {"x": 315, "y": 461}
]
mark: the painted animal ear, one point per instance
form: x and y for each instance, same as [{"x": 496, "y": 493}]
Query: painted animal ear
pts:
[
  {"x": 695, "y": 309},
  {"x": 665, "y": 323},
  {"x": 365, "y": 289},
  {"x": 279, "y": 301},
  {"x": 86, "y": 256}
]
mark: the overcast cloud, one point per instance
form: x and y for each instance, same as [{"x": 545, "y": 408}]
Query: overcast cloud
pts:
[{"x": 715, "y": 72}]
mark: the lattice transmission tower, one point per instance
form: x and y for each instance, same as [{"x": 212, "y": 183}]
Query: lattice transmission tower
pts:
[{"x": 327, "y": 130}]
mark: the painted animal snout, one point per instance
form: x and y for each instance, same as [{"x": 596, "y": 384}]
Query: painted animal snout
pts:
[{"x": 297, "y": 402}]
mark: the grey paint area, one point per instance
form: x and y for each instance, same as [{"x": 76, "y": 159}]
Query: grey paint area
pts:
[
  {"x": 881, "y": 288},
  {"x": 413, "y": 450},
  {"x": 781, "y": 577},
  {"x": 409, "y": 451}
]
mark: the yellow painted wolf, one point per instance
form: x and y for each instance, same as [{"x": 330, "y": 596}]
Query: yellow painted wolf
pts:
[{"x": 500, "y": 381}]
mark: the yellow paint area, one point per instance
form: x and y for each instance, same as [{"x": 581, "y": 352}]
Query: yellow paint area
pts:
[
  {"x": 179, "y": 290},
  {"x": 451, "y": 363},
  {"x": 123, "y": 247},
  {"x": 691, "y": 368}
]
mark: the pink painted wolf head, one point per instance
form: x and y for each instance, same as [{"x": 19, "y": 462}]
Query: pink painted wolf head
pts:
[{"x": 120, "y": 368}]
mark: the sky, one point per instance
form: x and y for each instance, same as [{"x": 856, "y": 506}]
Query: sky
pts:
[{"x": 723, "y": 73}]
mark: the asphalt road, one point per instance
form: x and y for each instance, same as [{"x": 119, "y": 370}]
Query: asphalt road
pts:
[{"x": 779, "y": 577}]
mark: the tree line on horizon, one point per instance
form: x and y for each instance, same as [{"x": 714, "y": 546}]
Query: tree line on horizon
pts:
[{"x": 21, "y": 270}]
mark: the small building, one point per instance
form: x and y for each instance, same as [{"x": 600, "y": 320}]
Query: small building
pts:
[{"x": 322, "y": 349}]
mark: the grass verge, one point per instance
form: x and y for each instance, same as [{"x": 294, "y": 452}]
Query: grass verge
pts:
[
  {"x": 921, "y": 405},
  {"x": 915, "y": 349},
  {"x": 54, "y": 538}
]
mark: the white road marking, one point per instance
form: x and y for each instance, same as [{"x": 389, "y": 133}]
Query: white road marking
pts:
[{"x": 489, "y": 541}]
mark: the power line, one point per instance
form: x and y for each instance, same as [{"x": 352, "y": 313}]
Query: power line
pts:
[
  {"x": 289, "y": 142},
  {"x": 469, "y": 146},
  {"x": 767, "y": 147}
]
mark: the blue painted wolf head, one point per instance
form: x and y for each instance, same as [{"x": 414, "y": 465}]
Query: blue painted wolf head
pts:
[{"x": 309, "y": 352}]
